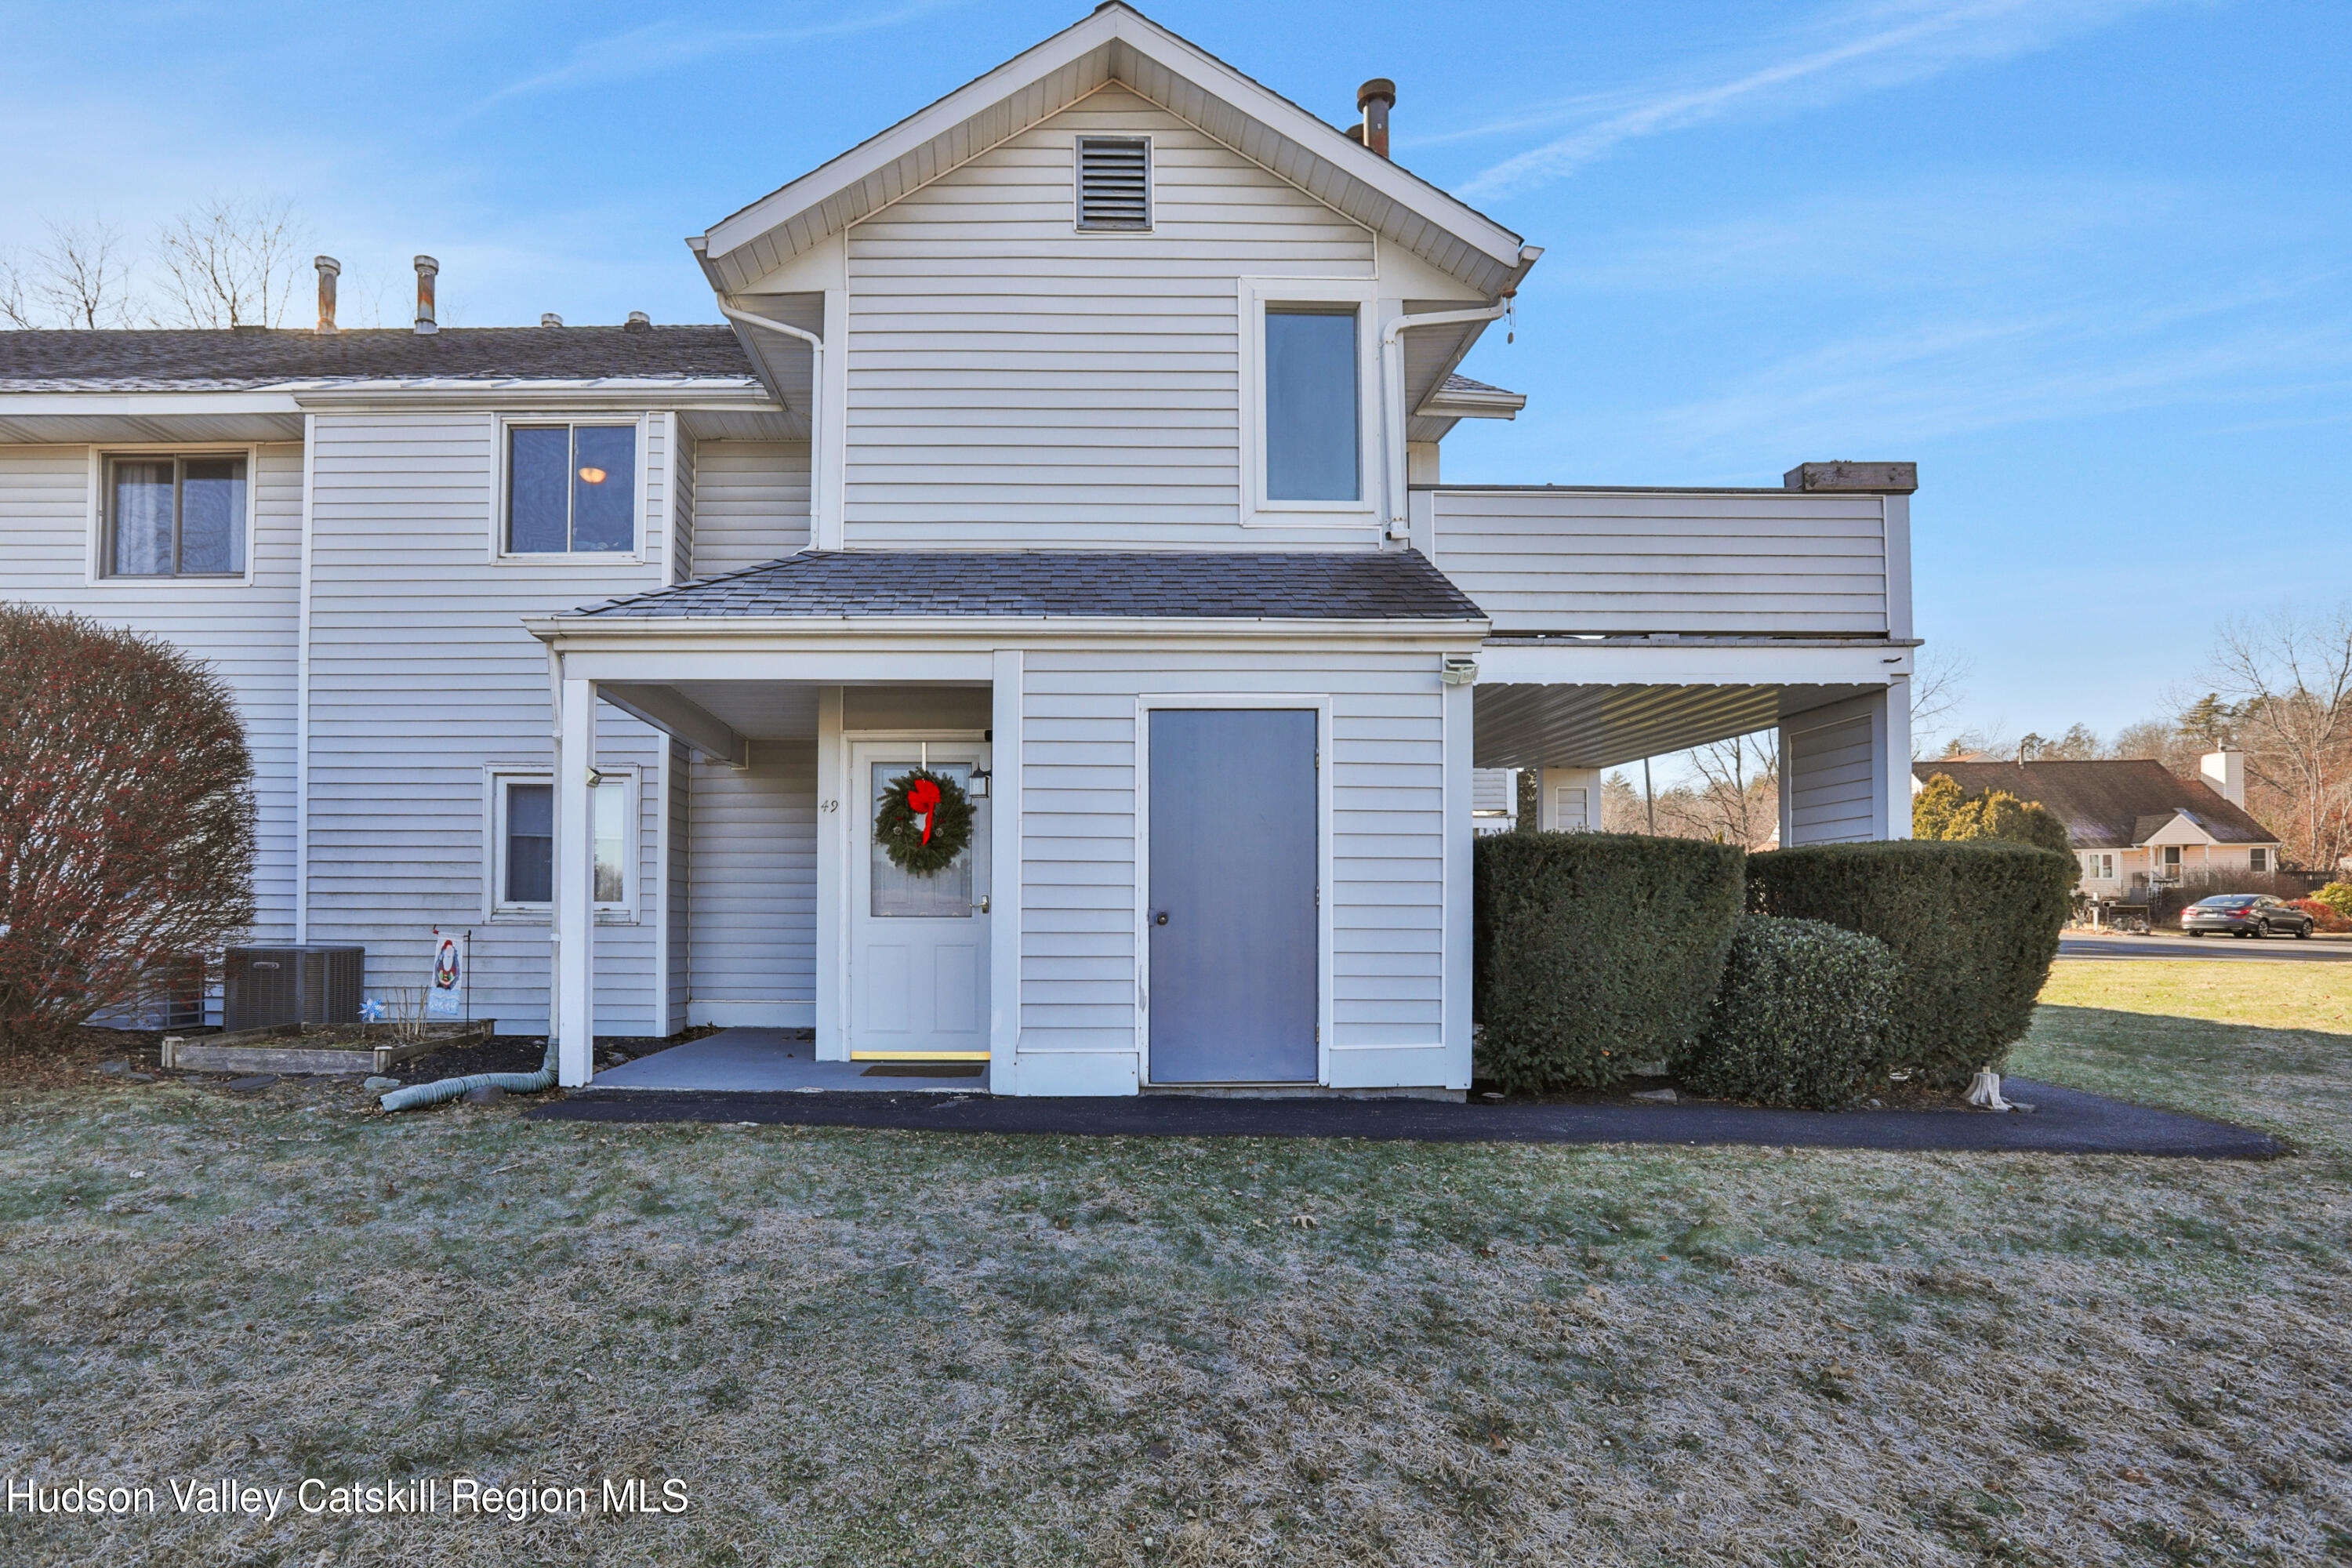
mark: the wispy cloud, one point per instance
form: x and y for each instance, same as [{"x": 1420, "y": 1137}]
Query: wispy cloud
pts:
[
  {"x": 2244, "y": 350},
  {"x": 1850, "y": 50},
  {"x": 664, "y": 46}
]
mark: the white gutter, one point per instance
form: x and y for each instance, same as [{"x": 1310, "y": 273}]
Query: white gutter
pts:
[
  {"x": 1393, "y": 410},
  {"x": 817, "y": 499}
]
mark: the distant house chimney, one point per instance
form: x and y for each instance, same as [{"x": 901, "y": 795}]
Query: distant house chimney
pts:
[
  {"x": 426, "y": 270},
  {"x": 2226, "y": 771},
  {"x": 638, "y": 322},
  {"x": 328, "y": 268},
  {"x": 1376, "y": 97},
  {"x": 550, "y": 319}
]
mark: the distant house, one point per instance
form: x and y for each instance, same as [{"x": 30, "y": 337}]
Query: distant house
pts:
[{"x": 2133, "y": 822}]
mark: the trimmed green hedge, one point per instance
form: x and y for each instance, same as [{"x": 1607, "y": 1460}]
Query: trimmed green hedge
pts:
[
  {"x": 1595, "y": 950},
  {"x": 1801, "y": 1019},
  {"x": 1975, "y": 925}
]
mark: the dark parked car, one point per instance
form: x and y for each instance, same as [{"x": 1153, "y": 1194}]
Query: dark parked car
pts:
[{"x": 2244, "y": 914}]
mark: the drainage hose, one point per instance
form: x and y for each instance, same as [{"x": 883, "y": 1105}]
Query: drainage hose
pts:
[{"x": 434, "y": 1093}]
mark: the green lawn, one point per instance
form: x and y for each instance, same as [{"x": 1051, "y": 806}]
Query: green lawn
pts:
[{"x": 860, "y": 1347}]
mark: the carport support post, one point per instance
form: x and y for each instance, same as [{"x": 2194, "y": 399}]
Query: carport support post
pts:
[{"x": 574, "y": 925}]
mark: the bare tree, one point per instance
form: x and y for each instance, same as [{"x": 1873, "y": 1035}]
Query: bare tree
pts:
[
  {"x": 227, "y": 264},
  {"x": 79, "y": 278},
  {"x": 1736, "y": 799},
  {"x": 2287, "y": 681},
  {"x": 1937, "y": 693}
]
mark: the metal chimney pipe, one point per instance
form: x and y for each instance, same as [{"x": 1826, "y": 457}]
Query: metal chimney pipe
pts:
[
  {"x": 1376, "y": 97},
  {"x": 328, "y": 268},
  {"x": 426, "y": 270}
]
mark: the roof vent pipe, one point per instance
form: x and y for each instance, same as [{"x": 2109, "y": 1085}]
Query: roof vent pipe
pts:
[
  {"x": 638, "y": 322},
  {"x": 550, "y": 319},
  {"x": 1376, "y": 97},
  {"x": 328, "y": 268},
  {"x": 426, "y": 270}
]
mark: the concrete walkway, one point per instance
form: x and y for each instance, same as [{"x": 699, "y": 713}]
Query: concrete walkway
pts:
[
  {"x": 774, "y": 1061},
  {"x": 2067, "y": 1122}
]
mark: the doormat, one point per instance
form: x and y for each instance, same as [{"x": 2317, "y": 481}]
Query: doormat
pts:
[{"x": 925, "y": 1069}]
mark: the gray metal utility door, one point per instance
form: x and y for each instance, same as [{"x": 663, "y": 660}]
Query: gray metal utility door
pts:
[{"x": 1231, "y": 901}]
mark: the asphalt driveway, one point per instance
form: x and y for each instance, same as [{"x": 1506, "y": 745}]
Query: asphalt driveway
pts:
[{"x": 2168, "y": 944}]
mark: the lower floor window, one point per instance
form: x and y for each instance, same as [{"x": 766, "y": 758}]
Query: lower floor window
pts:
[
  {"x": 523, "y": 807},
  {"x": 2258, "y": 860}
]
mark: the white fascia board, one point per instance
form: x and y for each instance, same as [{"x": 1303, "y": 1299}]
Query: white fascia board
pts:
[
  {"x": 1684, "y": 664},
  {"x": 1112, "y": 23},
  {"x": 146, "y": 405},
  {"x": 1471, "y": 406}
]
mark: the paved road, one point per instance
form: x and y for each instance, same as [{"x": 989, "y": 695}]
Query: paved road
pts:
[{"x": 2316, "y": 949}]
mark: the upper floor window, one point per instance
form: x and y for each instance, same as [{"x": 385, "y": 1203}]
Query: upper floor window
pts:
[
  {"x": 572, "y": 488},
  {"x": 175, "y": 517},
  {"x": 1114, "y": 183},
  {"x": 1312, "y": 419}
]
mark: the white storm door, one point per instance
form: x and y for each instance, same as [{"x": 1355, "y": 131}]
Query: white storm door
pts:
[{"x": 918, "y": 945}]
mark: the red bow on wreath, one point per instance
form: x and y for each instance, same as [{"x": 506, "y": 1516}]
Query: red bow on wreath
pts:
[{"x": 923, "y": 800}]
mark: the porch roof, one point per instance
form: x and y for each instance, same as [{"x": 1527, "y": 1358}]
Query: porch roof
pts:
[{"x": 1290, "y": 585}]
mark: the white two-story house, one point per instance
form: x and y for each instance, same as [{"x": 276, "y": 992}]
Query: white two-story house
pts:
[{"x": 1078, "y": 437}]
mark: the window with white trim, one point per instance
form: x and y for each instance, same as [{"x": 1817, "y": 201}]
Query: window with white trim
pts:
[
  {"x": 571, "y": 488},
  {"x": 2098, "y": 866},
  {"x": 522, "y": 842},
  {"x": 2258, "y": 860},
  {"x": 168, "y": 515}
]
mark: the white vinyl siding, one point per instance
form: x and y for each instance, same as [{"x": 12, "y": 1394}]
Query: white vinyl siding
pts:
[
  {"x": 245, "y": 631},
  {"x": 1578, "y": 560},
  {"x": 753, "y": 885},
  {"x": 1830, "y": 793},
  {"x": 1013, "y": 381},
  {"x": 751, "y": 503},
  {"x": 1079, "y": 871},
  {"x": 422, "y": 678}
]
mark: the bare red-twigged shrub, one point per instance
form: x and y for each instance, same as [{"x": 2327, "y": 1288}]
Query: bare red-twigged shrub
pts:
[{"x": 126, "y": 820}]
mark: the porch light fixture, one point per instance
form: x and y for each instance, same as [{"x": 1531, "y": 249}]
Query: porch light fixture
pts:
[
  {"x": 592, "y": 475},
  {"x": 978, "y": 784}
]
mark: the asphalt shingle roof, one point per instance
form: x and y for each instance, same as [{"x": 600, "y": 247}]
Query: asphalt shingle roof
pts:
[
  {"x": 165, "y": 360},
  {"x": 2110, "y": 804},
  {"x": 1458, "y": 381},
  {"x": 1236, "y": 584}
]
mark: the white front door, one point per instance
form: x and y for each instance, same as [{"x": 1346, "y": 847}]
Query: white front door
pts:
[{"x": 918, "y": 944}]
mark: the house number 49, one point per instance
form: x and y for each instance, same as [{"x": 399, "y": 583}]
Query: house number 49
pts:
[{"x": 829, "y": 805}]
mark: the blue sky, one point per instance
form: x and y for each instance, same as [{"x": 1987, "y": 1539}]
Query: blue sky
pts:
[{"x": 2085, "y": 261}]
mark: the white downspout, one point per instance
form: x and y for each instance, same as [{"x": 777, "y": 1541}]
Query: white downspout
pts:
[
  {"x": 819, "y": 502},
  {"x": 1392, "y": 409}
]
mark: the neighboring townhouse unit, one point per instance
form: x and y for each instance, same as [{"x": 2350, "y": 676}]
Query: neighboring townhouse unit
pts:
[
  {"x": 2134, "y": 822},
  {"x": 1077, "y": 437}
]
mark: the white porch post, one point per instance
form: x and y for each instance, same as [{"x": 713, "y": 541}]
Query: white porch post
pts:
[
  {"x": 1453, "y": 961},
  {"x": 574, "y": 928},
  {"x": 834, "y": 809},
  {"x": 1004, "y": 874},
  {"x": 1894, "y": 759}
]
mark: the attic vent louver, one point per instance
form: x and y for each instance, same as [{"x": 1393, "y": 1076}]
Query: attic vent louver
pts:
[{"x": 1114, "y": 183}]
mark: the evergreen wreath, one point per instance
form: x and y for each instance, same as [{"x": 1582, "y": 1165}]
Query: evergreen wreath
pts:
[{"x": 925, "y": 847}]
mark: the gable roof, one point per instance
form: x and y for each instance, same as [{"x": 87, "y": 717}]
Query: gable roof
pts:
[
  {"x": 2110, "y": 804},
  {"x": 243, "y": 358},
  {"x": 1115, "y": 43},
  {"x": 1288, "y": 586}
]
